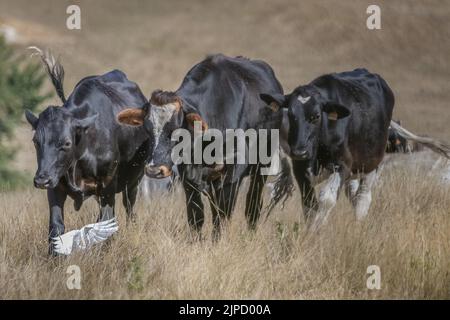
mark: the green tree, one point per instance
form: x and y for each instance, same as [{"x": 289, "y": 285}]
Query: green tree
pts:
[{"x": 21, "y": 87}]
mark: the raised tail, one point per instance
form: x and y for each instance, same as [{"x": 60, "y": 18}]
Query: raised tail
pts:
[
  {"x": 433, "y": 144},
  {"x": 282, "y": 187},
  {"x": 54, "y": 69}
]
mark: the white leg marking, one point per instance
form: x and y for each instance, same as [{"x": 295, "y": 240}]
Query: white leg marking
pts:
[
  {"x": 364, "y": 195},
  {"x": 327, "y": 199},
  {"x": 441, "y": 169},
  {"x": 351, "y": 190}
]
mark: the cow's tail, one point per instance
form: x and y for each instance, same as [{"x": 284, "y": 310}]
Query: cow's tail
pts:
[
  {"x": 54, "y": 69},
  {"x": 282, "y": 187},
  {"x": 433, "y": 144}
]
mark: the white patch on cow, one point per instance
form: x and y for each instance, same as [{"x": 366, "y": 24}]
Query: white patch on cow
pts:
[
  {"x": 85, "y": 237},
  {"x": 327, "y": 199},
  {"x": 364, "y": 195},
  {"x": 159, "y": 117},
  {"x": 303, "y": 100},
  {"x": 441, "y": 169},
  {"x": 353, "y": 186}
]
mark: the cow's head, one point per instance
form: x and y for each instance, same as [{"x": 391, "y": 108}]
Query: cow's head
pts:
[
  {"x": 59, "y": 140},
  {"x": 307, "y": 112},
  {"x": 165, "y": 113}
]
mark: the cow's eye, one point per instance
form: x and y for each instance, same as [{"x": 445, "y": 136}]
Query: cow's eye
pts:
[{"x": 67, "y": 145}]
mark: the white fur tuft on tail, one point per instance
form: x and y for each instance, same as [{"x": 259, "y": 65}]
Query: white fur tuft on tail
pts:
[{"x": 54, "y": 69}]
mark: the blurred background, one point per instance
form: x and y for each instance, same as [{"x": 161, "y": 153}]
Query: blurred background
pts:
[{"x": 156, "y": 42}]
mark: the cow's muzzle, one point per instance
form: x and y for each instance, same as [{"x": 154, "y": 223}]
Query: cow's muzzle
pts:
[
  {"x": 158, "y": 172},
  {"x": 42, "y": 182},
  {"x": 299, "y": 154}
]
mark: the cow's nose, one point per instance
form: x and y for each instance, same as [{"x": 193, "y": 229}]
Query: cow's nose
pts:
[
  {"x": 300, "y": 154},
  {"x": 42, "y": 181},
  {"x": 158, "y": 171}
]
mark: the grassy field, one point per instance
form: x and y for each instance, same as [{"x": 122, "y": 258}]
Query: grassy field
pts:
[{"x": 406, "y": 233}]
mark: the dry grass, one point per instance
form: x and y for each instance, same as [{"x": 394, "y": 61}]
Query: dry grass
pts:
[
  {"x": 155, "y": 43},
  {"x": 406, "y": 234}
]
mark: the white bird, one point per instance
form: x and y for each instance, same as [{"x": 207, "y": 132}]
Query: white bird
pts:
[{"x": 85, "y": 237}]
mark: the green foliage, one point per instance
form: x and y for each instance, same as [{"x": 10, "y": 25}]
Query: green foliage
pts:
[
  {"x": 21, "y": 82},
  {"x": 135, "y": 274}
]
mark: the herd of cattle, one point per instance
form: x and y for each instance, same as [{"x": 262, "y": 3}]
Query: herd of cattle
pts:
[{"x": 107, "y": 134}]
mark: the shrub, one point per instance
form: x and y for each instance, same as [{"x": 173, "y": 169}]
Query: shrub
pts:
[{"x": 21, "y": 87}]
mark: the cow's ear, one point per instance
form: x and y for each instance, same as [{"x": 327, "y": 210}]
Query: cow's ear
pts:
[
  {"x": 31, "y": 118},
  {"x": 335, "y": 111},
  {"x": 86, "y": 123},
  {"x": 274, "y": 101},
  {"x": 81, "y": 112},
  {"x": 192, "y": 117},
  {"x": 132, "y": 116}
]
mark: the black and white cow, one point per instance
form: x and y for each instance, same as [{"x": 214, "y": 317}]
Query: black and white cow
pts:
[
  {"x": 337, "y": 129},
  {"x": 82, "y": 151},
  {"x": 222, "y": 93}
]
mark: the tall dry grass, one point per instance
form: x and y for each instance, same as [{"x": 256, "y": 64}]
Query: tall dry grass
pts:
[{"x": 406, "y": 234}]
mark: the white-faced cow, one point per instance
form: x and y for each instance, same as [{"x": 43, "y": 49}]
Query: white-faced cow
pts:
[
  {"x": 82, "y": 151},
  {"x": 222, "y": 93},
  {"x": 337, "y": 129}
]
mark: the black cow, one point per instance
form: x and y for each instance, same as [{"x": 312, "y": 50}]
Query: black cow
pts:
[
  {"x": 81, "y": 149},
  {"x": 338, "y": 125},
  {"x": 222, "y": 93}
]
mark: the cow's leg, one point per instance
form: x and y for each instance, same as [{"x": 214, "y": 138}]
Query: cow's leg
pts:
[
  {"x": 328, "y": 196},
  {"x": 351, "y": 189},
  {"x": 107, "y": 202},
  {"x": 308, "y": 195},
  {"x": 56, "y": 198},
  {"x": 222, "y": 206},
  {"x": 144, "y": 187},
  {"x": 254, "y": 201},
  {"x": 195, "y": 211},
  {"x": 364, "y": 195},
  {"x": 128, "y": 200}
]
